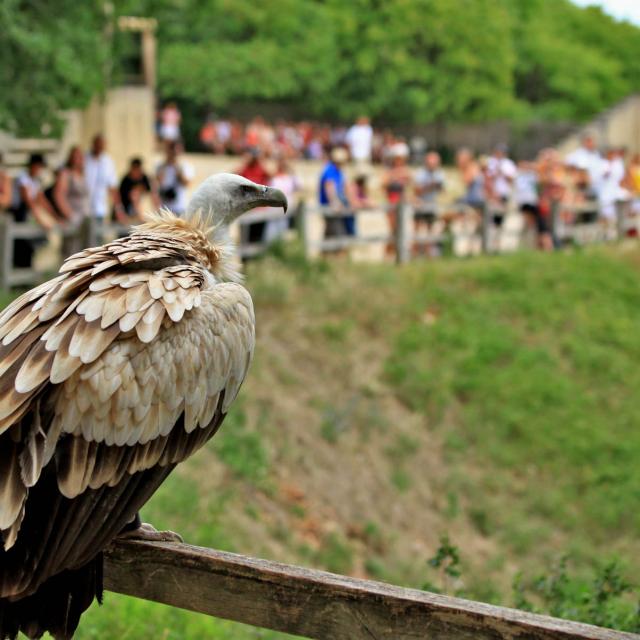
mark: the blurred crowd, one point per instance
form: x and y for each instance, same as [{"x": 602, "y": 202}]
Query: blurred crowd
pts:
[
  {"x": 588, "y": 184},
  {"x": 296, "y": 140},
  {"x": 87, "y": 185}
]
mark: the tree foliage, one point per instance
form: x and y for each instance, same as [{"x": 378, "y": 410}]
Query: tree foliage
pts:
[
  {"x": 53, "y": 56},
  {"x": 402, "y": 61},
  {"x": 409, "y": 61}
]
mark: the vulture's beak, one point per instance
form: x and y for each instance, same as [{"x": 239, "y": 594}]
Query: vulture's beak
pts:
[{"x": 271, "y": 197}]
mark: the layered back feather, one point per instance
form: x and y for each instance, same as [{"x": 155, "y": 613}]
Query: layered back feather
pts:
[{"x": 210, "y": 240}]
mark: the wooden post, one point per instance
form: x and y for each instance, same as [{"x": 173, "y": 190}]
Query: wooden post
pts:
[
  {"x": 555, "y": 223},
  {"x": 85, "y": 233},
  {"x": 621, "y": 213},
  {"x": 6, "y": 246},
  {"x": 72, "y": 240},
  {"x": 304, "y": 230},
  {"x": 485, "y": 229},
  {"x": 404, "y": 235},
  {"x": 317, "y": 604}
]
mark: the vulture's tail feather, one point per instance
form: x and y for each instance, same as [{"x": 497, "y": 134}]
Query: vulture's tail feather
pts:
[{"x": 56, "y": 606}]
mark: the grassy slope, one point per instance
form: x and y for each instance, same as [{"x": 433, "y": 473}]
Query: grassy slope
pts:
[{"x": 491, "y": 399}]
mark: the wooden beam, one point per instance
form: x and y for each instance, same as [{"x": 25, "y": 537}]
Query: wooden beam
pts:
[{"x": 316, "y": 604}]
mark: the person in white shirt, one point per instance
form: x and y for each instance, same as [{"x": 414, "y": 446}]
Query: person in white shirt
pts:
[
  {"x": 587, "y": 159},
  {"x": 360, "y": 141},
  {"x": 102, "y": 181},
  {"x": 285, "y": 180},
  {"x": 500, "y": 175},
  {"x": 174, "y": 176},
  {"x": 502, "y": 172},
  {"x": 170, "y": 118},
  {"x": 609, "y": 184}
]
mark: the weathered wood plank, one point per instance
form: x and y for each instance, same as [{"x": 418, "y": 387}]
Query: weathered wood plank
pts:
[{"x": 316, "y": 604}]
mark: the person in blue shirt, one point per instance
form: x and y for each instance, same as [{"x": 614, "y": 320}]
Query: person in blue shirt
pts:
[{"x": 332, "y": 194}]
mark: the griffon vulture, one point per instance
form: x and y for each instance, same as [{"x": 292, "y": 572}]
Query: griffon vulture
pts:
[{"x": 111, "y": 374}]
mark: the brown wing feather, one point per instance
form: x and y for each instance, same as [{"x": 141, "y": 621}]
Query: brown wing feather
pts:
[{"x": 114, "y": 377}]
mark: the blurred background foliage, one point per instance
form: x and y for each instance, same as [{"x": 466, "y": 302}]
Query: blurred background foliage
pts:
[{"x": 409, "y": 61}]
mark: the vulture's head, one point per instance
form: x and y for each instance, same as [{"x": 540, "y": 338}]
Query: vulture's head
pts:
[
  {"x": 217, "y": 202},
  {"x": 222, "y": 197}
]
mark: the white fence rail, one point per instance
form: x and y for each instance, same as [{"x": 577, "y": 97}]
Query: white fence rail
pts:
[
  {"x": 401, "y": 232},
  {"x": 459, "y": 223}
]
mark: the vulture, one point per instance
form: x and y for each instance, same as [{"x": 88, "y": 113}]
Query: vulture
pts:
[{"x": 112, "y": 373}]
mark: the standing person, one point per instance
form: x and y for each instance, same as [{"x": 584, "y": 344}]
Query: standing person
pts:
[
  {"x": 586, "y": 161},
  {"x": 609, "y": 184},
  {"x": 332, "y": 193},
  {"x": 472, "y": 178},
  {"x": 254, "y": 170},
  {"x": 632, "y": 182},
  {"x": 170, "y": 118},
  {"x": 5, "y": 186},
  {"x": 501, "y": 173},
  {"x": 395, "y": 182},
  {"x": 70, "y": 194},
  {"x": 208, "y": 134},
  {"x": 360, "y": 141},
  {"x": 527, "y": 199},
  {"x": 29, "y": 199},
  {"x": 102, "y": 181},
  {"x": 285, "y": 180},
  {"x": 552, "y": 192},
  {"x": 397, "y": 177},
  {"x": 174, "y": 176},
  {"x": 223, "y": 137},
  {"x": 429, "y": 182},
  {"x": 359, "y": 192},
  {"x": 133, "y": 186}
]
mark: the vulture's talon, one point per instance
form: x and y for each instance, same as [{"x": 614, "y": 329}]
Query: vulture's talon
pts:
[{"x": 148, "y": 533}]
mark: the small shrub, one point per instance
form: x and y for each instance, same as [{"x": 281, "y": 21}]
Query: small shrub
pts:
[
  {"x": 335, "y": 555},
  {"x": 607, "y": 599},
  {"x": 400, "y": 479}
]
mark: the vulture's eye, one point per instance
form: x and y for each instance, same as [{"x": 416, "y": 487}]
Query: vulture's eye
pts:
[{"x": 246, "y": 188}]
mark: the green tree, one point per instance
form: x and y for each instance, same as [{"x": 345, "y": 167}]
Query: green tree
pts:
[
  {"x": 53, "y": 56},
  {"x": 571, "y": 62},
  {"x": 215, "y": 52},
  {"x": 424, "y": 60},
  {"x": 407, "y": 61}
]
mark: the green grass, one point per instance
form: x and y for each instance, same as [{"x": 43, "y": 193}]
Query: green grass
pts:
[
  {"x": 241, "y": 448},
  {"x": 131, "y": 619},
  {"x": 538, "y": 359},
  {"x": 522, "y": 371}
]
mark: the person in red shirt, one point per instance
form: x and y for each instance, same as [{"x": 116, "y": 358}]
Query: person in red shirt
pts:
[{"x": 254, "y": 170}]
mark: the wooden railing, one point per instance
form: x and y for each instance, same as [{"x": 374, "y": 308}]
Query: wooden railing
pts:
[
  {"x": 89, "y": 233},
  {"x": 477, "y": 224},
  {"x": 248, "y": 249},
  {"x": 316, "y": 604},
  {"x": 473, "y": 225}
]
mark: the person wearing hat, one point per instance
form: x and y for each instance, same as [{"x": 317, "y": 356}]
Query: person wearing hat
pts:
[
  {"x": 29, "y": 198},
  {"x": 395, "y": 181},
  {"x": 332, "y": 194}
]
